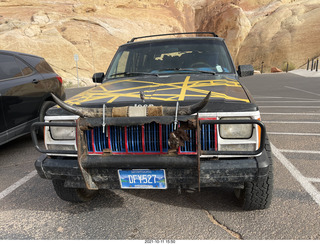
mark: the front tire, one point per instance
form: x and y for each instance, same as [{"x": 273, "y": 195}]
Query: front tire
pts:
[
  {"x": 76, "y": 195},
  {"x": 257, "y": 195}
]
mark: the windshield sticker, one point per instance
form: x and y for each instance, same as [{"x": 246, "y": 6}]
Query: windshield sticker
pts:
[{"x": 219, "y": 68}]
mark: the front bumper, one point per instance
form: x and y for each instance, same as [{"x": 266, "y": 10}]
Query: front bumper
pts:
[{"x": 181, "y": 171}]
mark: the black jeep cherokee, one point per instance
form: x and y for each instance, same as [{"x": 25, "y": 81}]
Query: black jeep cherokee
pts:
[{"x": 170, "y": 113}]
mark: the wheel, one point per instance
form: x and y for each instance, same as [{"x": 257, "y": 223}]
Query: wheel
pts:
[
  {"x": 76, "y": 195},
  {"x": 43, "y": 110},
  {"x": 257, "y": 194}
]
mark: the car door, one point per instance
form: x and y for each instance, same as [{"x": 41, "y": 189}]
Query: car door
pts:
[
  {"x": 3, "y": 134},
  {"x": 20, "y": 101}
]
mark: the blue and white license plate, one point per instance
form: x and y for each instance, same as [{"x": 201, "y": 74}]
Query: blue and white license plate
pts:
[{"x": 142, "y": 179}]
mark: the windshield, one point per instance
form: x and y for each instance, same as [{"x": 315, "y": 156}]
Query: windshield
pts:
[{"x": 169, "y": 57}]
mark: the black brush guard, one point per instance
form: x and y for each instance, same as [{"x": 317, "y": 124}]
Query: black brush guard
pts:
[
  {"x": 251, "y": 162},
  {"x": 113, "y": 121}
]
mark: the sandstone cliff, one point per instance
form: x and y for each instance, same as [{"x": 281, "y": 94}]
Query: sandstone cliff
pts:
[
  {"x": 271, "y": 31},
  {"x": 92, "y": 29}
]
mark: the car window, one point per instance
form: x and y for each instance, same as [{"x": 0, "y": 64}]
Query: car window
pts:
[
  {"x": 26, "y": 70},
  {"x": 120, "y": 64},
  {"x": 9, "y": 67},
  {"x": 39, "y": 64},
  {"x": 171, "y": 57},
  {"x": 43, "y": 67}
]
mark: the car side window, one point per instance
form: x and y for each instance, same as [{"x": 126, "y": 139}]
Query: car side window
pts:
[
  {"x": 26, "y": 70},
  {"x": 43, "y": 67},
  {"x": 39, "y": 64},
  {"x": 9, "y": 67}
]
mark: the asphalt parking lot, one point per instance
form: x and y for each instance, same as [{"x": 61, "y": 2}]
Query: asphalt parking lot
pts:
[{"x": 290, "y": 108}]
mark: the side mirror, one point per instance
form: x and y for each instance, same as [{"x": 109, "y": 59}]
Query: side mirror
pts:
[
  {"x": 245, "y": 70},
  {"x": 98, "y": 77}
]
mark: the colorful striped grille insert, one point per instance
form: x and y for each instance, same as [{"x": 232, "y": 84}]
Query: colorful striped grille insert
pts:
[{"x": 146, "y": 139}]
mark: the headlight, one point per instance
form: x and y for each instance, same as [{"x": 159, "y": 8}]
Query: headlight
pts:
[
  {"x": 60, "y": 147},
  {"x": 62, "y": 133},
  {"x": 238, "y": 147},
  {"x": 235, "y": 131}
]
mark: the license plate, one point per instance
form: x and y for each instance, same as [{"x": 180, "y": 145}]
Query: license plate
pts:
[{"x": 142, "y": 179}]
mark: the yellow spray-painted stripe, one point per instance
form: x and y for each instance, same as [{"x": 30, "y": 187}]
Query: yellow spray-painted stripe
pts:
[
  {"x": 184, "y": 88},
  {"x": 177, "y": 85},
  {"x": 112, "y": 99},
  {"x": 161, "y": 97},
  {"x": 197, "y": 87}
]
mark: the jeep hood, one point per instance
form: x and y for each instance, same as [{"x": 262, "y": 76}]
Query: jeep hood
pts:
[
  {"x": 227, "y": 94},
  {"x": 161, "y": 90}
]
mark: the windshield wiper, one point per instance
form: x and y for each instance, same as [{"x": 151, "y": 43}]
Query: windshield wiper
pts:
[
  {"x": 134, "y": 73},
  {"x": 157, "y": 74},
  {"x": 187, "y": 69}
]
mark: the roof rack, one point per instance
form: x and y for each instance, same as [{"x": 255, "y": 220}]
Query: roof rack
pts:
[{"x": 172, "y": 34}]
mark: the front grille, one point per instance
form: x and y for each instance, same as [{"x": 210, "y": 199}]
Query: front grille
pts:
[
  {"x": 146, "y": 139},
  {"x": 134, "y": 138},
  {"x": 208, "y": 135}
]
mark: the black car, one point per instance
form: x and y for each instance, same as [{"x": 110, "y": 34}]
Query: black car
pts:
[
  {"x": 26, "y": 84},
  {"x": 170, "y": 113}
]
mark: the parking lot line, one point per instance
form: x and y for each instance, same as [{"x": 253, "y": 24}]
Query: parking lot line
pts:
[
  {"x": 301, "y": 114},
  {"x": 316, "y": 180},
  {"x": 304, "y": 182},
  {"x": 299, "y": 151},
  {"x": 297, "y": 89},
  {"x": 19, "y": 183},
  {"x": 294, "y": 134},
  {"x": 311, "y": 101},
  {"x": 291, "y": 122},
  {"x": 296, "y": 98},
  {"x": 289, "y": 106}
]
